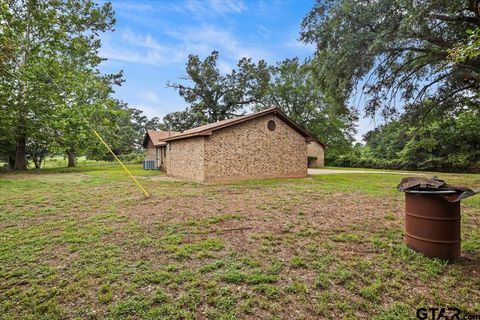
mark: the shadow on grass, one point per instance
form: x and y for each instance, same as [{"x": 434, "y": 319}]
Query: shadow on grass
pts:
[{"x": 112, "y": 168}]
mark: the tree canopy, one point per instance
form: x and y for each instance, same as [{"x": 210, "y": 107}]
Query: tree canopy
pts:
[
  {"x": 396, "y": 49},
  {"x": 470, "y": 50},
  {"x": 51, "y": 87},
  {"x": 215, "y": 96},
  {"x": 58, "y": 36},
  {"x": 182, "y": 120}
]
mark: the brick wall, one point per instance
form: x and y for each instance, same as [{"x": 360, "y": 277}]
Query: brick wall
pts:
[
  {"x": 185, "y": 158},
  {"x": 150, "y": 151},
  {"x": 314, "y": 149},
  {"x": 250, "y": 150},
  {"x": 150, "y": 154}
]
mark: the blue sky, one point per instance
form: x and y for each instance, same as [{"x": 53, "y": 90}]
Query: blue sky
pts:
[{"x": 154, "y": 38}]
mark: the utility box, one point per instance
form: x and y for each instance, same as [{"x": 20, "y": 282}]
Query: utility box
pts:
[{"x": 149, "y": 165}]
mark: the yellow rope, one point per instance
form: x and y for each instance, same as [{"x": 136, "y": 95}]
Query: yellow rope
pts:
[{"x": 126, "y": 169}]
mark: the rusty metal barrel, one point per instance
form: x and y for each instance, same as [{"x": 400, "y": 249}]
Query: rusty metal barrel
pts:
[
  {"x": 432, "y": 216},
  {"x": 432, "y": 223}
]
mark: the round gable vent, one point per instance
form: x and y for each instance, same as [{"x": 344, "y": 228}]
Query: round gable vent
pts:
[{"x": 271, "y": 125}]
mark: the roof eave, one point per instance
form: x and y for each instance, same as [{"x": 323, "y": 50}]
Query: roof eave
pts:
[
  {"x": 299, "y": 129},
  {"x": 208, "y": 132},
  {"x": 191, "y": 135},
  {"x": 145, "y": 139},
  {"x": 313, "y": 139}
]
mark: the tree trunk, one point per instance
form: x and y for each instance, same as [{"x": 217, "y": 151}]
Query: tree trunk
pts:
[
  {"x": 20, "y": 152},
  {"x": 11, "y": 161},
  {"x": 37, "y": 161},
  {"x": 21, "y": 137},
  {"x": 71, "y": 158},
  {"x": 476, "y": 8}
]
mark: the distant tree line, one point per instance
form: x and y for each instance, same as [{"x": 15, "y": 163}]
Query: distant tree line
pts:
[{"x": 439, "y": 144}]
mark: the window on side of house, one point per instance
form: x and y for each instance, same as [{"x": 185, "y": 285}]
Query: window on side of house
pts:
[{"x": 271, "y": 125}]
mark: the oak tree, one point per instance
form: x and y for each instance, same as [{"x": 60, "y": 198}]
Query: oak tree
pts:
[
  {"x": 215, "y": 96},
  {"x": 397, "y": 50}
]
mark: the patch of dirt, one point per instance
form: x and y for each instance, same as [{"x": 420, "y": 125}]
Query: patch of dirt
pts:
[{"x": 265, "y": 211}]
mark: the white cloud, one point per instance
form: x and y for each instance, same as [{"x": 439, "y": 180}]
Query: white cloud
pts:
[
  {"x": 213, "y": 6},
  {"x": 132, "y": 6},
  {"x": 143, "y": 49},
  {"x": 194, "y": 6},
  {"x": 202, "y": 40},
  {"x": 149, "y": 110},
  {"x": 263, "y": 32},
  {"x": 225, "y": 67},
  {"x": 150, "y": 96},
  {"x": 228, "y": 6},
  {"x": 118, "y": 54},
  {"x": 293, "y": 42},
  {"x": 172, "y": 43}
]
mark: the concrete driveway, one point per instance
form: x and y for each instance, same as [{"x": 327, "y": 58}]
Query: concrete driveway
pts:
[{"x": 333, "y": 171}]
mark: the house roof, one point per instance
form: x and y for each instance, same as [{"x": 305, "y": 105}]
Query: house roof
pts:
[
  {"x": 207, "y": 129},
  {"x": 157, "y": 137}
]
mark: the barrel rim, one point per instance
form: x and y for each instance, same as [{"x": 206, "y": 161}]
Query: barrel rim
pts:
[{"x": 431, "y": 191}]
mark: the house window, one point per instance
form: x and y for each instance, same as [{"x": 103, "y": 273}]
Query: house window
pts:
[
  {"x": 271, "y": 125},
  {"x": 165, "y": 152}
]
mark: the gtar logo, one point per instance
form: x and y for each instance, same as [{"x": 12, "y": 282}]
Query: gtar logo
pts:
[{"x": 439, "y": 313}]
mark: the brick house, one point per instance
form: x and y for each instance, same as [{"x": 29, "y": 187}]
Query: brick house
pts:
[{"x": 265, "y": 144}]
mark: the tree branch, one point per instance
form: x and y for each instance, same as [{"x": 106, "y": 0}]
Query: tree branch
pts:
[
  {"x": 414, "y": 49},
  {"x": 422, "y": 92},
  {"x": 434, "y": 40},
  {"x": 458, "y": 18},
  {"x": 470, "y": 86}
]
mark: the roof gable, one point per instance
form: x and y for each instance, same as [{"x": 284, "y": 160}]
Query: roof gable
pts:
[
  {"x": 207, "y": 129},
  {"x": 157, "y": 137}
]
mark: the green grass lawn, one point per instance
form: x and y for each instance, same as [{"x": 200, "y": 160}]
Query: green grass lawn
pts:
[{"x": 83, "y": 243}]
